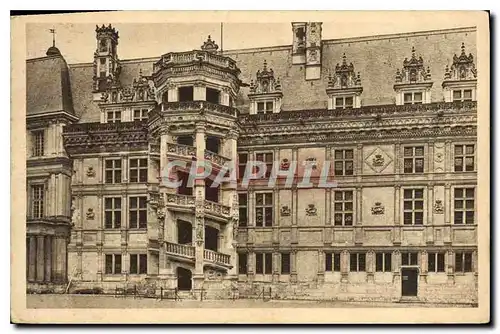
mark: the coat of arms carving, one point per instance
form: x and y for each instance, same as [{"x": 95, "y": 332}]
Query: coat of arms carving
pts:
[{"x": 378, "y": 209}]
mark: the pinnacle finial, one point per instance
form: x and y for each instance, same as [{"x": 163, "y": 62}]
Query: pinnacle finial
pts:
[
  {"x": 413, "y": 52},
  {"x": 53, "y": 32},
  {"x": 344, "y": 59},
  {"x": 463, "y": 48},
  {"x": 265, "y": 65}
]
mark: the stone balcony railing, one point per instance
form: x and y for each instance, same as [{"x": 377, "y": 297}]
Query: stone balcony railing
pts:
[
  {"x": 198, "y": 106},
  {"x": 181, "y": 150},
  {"x": 180, "y": 200},
  {"x": 217, "y": 209},
  {"x": 179, "y": 250},
  {"x": 195, "y": 56},
  {"x": 216, "y": 159},
  {"x": 216, "y": 257}
]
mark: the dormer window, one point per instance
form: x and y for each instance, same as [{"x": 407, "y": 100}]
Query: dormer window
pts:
[
  {"x": 413, "y": 82},
  {"x": 186, "y": 94},
  {"x": 265, "y": 93},
  {"x": 213, "y": 95},
  {"x": 265, "y": 107},
  {"x": 413, "y": 98},
  {"x": 344, "y": 102},
  {"x": 462, "y": 95},
  {"x": 344, "y": 87}
]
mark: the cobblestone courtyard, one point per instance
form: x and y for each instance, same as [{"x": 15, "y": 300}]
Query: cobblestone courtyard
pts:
[{"x": 100, "y": 301}]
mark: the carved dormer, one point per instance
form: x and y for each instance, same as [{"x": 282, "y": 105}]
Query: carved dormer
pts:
[
  {"x": 460, "y": 80},
  {"x": 265, "y": 92},
  {"x": 210, "y": 45},
  {"x": 128, "y": 103},
  {"x": 344, "y": 87},
  {"x": 413, "y": 81}
]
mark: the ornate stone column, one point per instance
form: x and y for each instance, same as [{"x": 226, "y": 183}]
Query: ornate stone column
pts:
[
  {"x": 199, "y": 192},
  {"x": 48, "y": 258},
  {"x": 31, "y": 258}
]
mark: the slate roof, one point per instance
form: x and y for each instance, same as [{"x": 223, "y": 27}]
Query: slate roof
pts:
[
  {"x": 376, "y": 58},
  {"x": 48, "y": 85}
]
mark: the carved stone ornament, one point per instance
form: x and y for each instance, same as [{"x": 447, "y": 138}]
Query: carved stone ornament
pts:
[
  {"x": 90, "y": 172},
  {"x": 463, "y": 67},
  {"x": 265, "y": 83},
  {"x": 378, "y": 160},
  {"x": 311, "y": 210},
  {"x": 344, "y": 76},
  {"x": 285, "y": 164},
  {"x": 209, "y": 45},
  {"x": 378, "y": 209},
  {"x": 413, "y": 70},
  {"x": 311, "y": 161},
  {"x": 285, "y": 211},
  {"x": 90, "y": 214},
  {"x": 438, "y": 206}
]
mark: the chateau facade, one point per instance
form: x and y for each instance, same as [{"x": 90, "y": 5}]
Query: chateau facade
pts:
[{"x": 392, "y": 117}]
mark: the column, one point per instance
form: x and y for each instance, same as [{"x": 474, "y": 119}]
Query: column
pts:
[
  {"x": 397, "y": 160},
  {"x": 58, "y": 195},
  {"x": 293, "y": 266},
  {"x": 173, "y": 95},
  {"x": 60, "y": 264},
  {"x": 344, "y": 266},
  {"x": 200, "y": 92},
  {"x": 359, "y": 161},
  {"x": 40, "y": 258},
  {"x": 358, "y": 232},
  {"x": 450, "y": 266},
  {"x": 424, "y": 266},
  {"x": 31, "y": 258},
  {"x": 276, "y": 266},
  {"x": 448, "y": 158},
  {"x": 251, "y": 263},
  {"x": 397, "y": 212},
  {"x": 430, "y": 159},
  {"x": 447, "y": 214},
  {"x": 370, "y": 266},
  {"x": 52, "y": 188},
  {"x": 48, "y": 258},
  {"x": 321, "y": 266},
  {"x": 276, "y": 214},
  {"x": 199, "y": 191},
  {"x": 430, "y": 212},
  {"x": 328, "y": 230},
  {"x": 396, "y": 265},
  {"x": 294, "y": 230},
  {"x": 224, "y": 96}
]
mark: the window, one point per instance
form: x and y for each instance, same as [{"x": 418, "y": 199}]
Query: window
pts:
[
  {"x": 332, "y": 262},
  {"x": 213, "y": 95},
  {"x": 413, "y": 207},
  {"x": 37, "y": 200},
  {"x": 463, "y": 262},
  {"x": 267, "y": 158},
  {"x": 464, "y": 206},
  {"x": 138, "y": 217},
  {"x": 38, "y": 143},
  {"x": 114, "y": 116},
  {"x": 265, "y": 107},
  {"x": 409, "y": 259},
  {"x": 264, "y": 209},
  {"x": 383, "y": 262},
  {"x": 113, "y": 171},
  {"x": 357, "y": 262},
  {"x": 140, "y": 114},
  {"x": 103, "y": 46},
  {"x": 263, "y": 263},
  {"x": 344, "y": 162},
  {"x": 462, "y": 95},
  {"x": 243, "y": 215},
  {"x": 138, "y": 263},
  {"x": 464, "y": 158},
  {"x": 242, "y": 164},
  {"x": 343, "y": 207},
  {"x": 343, "y": 102},
  {"x": 413, "y": 98},
  {"x": 242, "y": 263},
  {"x": 186, "y": 94},
  {"x": 435, "y": 262},
  {"x": 102, "y": 68},
  {"x": 414, "y": 159},
  {"x": 138, "y": 170},
  {"x": 113, "y": 263},
  {"x": 113, "y": 212},
  {"x": 285, "y": 263},
  {"x": 164, "y": 97}
]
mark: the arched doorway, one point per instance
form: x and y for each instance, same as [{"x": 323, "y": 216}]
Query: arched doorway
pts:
[{"x": 184, "y": 279}]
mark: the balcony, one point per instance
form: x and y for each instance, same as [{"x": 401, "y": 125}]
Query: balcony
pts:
[
  {"x": 193, "y": 57},
  {"x": 183, "y": 203},
  {"x": 217, "y": 211},
  {"x": 183, "y": 151},
  {"x": 182, "y": 252},
  {"x": 216, "y": 159},
  {"x": 217, "y": 258},
  {"x": 199, "y": 106}
]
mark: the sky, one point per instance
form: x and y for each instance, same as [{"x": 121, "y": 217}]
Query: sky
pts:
[{"x": 77, "y": 42}]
